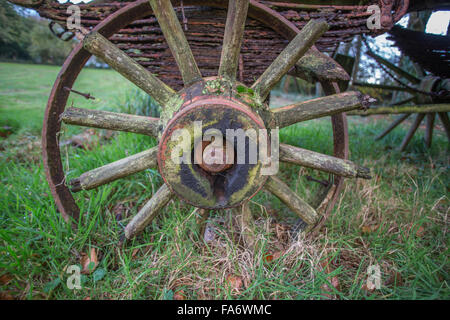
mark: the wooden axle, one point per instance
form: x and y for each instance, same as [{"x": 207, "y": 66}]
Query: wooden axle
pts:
[
  {"x": 424, "y": 108},
  {"x": 383, "y": 87}
]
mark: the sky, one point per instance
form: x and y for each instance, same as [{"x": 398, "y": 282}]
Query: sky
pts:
[{"x": 438, "y": 22}]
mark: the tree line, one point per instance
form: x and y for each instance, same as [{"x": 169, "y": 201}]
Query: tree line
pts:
[{"x": 24, "y": 37}]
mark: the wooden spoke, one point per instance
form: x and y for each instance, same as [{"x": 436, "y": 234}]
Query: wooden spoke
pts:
[
  {"x": 116, "y": 170},
  {"x": 393, "y": 126},
  {"x": 151, "y": 209},
  {"x": 383, "y": 87},
  {"x": 234, "y": 31},
  {"x": 429, "y": 129},
  {"x": 318, "y": 108},
  {"x": 111, "y": 121},
  {"x": 423, "y": 108},
  {"x": 322, "y": 162},
  {"x": 394, "y": 68},
  {"x": 178, "y": 44},
  {"x": 289, "y": 56},
  {"x": 310, "y": 68},
  {"x": 399, "y": 103},
  {"x": 412, "y": 130},
  {"x": 445, "y": 122},
  {"x": 102, "y": 48},
  {"x": 292, "y": 200}
]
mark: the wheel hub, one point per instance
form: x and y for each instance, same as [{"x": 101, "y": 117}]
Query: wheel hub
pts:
[{"x": 199, "y": 149}]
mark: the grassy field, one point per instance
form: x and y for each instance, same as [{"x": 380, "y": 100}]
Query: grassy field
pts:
[
  {"x": 24, "y": 91},
  {"x": 397, "y": 221}
]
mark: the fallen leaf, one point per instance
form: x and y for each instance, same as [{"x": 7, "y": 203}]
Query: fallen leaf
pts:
[
  {"x": 420, "y": 232},
  {"x": 394, "y": 279},
  {"x": 234, "y": 282},
  {"x": 269, "y": 257},
  {"x": 5, "y": 279},
  {"x": 278, "y": 254},
  {"x": 179, "y": 295},
  {"x": 364, "y": 287},
  {"x": 5, "y": 132},
  {"x": 134, "y": 253},
  {"x": 334, "y": 281},
  {"x": 6, "y": 296},
  {"x": 369, "y": 229},
  {"x": 89, "y": 263}
]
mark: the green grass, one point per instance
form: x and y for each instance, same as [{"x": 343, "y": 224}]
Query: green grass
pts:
[
  {"x": 24, "y": 91},
  {"x": 406, "y": 205}
]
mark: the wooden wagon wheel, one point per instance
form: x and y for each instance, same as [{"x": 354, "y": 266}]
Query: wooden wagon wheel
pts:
[
  {"x": 423, "y": 92},
  {"x": 222, "y": 100}
]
